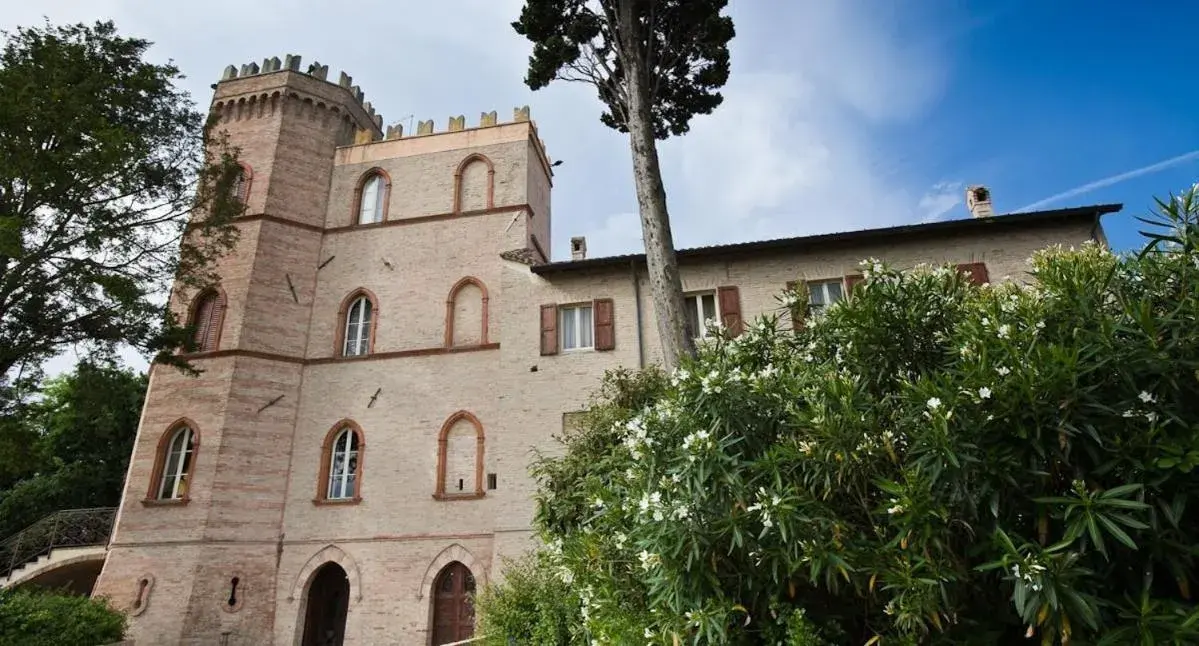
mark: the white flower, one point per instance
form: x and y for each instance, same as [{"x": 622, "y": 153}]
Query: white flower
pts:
[
  {"x": 984, "y": 393},
  {"x": 895, "y": 509},
  {"x": 1003, "y": 371},
  {"x": 1004, "y": 330},
  {"x": 599, "y": 502},
  {"x": 1147, "y": 397},
  {"x": 934, "y": 403},
  {"x": 649, "y": 634},
  {"x": 1151, "y": 416},
  {"x": 1040, "y": 325},
  {"x": 805, "y": 447},
  {"x": 619, "y": 538},
  {"x": 658, "y": 516}
]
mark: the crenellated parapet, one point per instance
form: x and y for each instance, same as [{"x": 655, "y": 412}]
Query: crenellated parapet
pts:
[
  {"x": 457, "y": 124},
  {"x": 293, "y": 63}
]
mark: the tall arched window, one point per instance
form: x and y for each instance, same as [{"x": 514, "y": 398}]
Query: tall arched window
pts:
[
  {"x": 341, "y": 464},
  {"x": 343, "y": 467},
  {"x": 174, "y": 464},
  {"x": 357, "y": 336},
  {"x": 373, "y": 192},
  {"x": 207, "y": 317},
  {"x": 241, "y": 184}
]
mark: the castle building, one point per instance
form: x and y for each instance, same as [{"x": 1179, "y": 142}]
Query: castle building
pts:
[{"x": 389, "y": 340}]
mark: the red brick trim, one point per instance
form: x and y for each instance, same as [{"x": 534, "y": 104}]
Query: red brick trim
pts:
[
  {"x": 141, "y": 596},
  {"x": 430, "y": 218},
  {"x": 451, "y": 300},
  {"x": 470, "y": 159},
  {"x": 160, "y": 459},
  {"x": 219, "y": 324},
  {"x": 406, "y": 353},
  {"x": 357, "y": 201},
  {"x": 282, "y": 220},
  {"x": 442, "y": 446},
  {"x": 395, "y": 354},
  {"x": 322, "y": 483},
  {"x": 340, "y": 338}
]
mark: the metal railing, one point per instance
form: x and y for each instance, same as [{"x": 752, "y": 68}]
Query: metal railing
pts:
[{"x": 65, "y": 528}]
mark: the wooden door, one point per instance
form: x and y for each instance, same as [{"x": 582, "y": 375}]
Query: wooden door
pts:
[{"x": 453, "y": 612}]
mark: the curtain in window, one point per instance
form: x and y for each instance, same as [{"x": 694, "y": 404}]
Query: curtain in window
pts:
[
  {"x": 177, "y": 465},
  {"x": 343, "y": 466},
  {"x": 358, "y": 328},
  {"x": 371, "y": 209}
]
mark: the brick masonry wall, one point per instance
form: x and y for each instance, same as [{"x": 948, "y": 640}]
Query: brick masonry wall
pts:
[{"x": 254, "y": 512}]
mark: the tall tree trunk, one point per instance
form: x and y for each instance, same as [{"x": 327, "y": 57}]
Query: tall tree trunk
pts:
[{"x": 666, "y": 286}]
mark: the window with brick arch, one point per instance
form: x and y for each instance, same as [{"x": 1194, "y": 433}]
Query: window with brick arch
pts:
[
  {"x": 343, "y": 466},
  {"x": 241, "y": 184},
  {"x": 372, "y": 200},
  {"x": 358, "y": 328},
  {"x": 207, "y": 316},
  {"x": 177, "y": 464}
]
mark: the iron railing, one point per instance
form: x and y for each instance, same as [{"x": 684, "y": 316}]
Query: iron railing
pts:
[{"x": 65, "y": 528}]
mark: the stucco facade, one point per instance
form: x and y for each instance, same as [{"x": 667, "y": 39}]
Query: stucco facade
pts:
[{"x": 455, "y": 388}]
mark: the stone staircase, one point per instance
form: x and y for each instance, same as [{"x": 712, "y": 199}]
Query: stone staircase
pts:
[{"x": 63, "y": 536}]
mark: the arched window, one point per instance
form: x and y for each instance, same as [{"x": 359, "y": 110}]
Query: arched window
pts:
[
  {"x": 176, "y": 454},
  {"x": 241, "y": 184},
  {"x": 373, "y": 192},
  {"x": 341, "y": 464},
  {"x": 343, "y": 467},
  {"x": 466, "y": 313},
  {"x": 460, "y": 458},
  {"x": 357, "y": 333},
  {"x": 207, "y": 317}
]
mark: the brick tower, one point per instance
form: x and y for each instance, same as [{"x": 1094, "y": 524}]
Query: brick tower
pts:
[{"x": 186, "y": 553}]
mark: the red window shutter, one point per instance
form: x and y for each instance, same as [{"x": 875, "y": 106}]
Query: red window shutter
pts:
[
  {"x": 795, "y": 286},
  {"x": 729, "y": 299},
  {"x": 549, "y": 329},
  {"x": 851, "y": 282},
  {"x": 976, "y": 270},
  {"x": 605, "y": 329}
]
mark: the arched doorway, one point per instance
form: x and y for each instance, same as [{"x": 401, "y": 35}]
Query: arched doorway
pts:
[
  {"x": 453, "y": 610},
  {"x": 325, "y": 610}
]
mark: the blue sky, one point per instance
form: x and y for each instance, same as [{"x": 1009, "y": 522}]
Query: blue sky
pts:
[{"x": 839, "y": 115}]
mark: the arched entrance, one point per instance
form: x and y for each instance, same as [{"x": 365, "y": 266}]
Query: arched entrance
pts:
[
  {"x": 325, "y": 610},
  {"x": 453, "y": 610}
]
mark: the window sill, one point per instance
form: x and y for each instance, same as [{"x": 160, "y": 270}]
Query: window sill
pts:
[
  {"x": 448, "y": 497},
  {"x": 171, "y": 502},
  {"x": 577, "y": 350},
  {"x": 336, "y": 501}
]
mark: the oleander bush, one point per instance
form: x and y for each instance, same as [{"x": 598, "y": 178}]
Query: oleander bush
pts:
[
  {"x": 47, "y": 618},
  {"x": 927, "y": 462}
]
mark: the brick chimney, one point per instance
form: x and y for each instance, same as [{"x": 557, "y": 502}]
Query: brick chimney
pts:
[
  {"x": 578, "y": 248},
  {"x": 978, "y": 200}
]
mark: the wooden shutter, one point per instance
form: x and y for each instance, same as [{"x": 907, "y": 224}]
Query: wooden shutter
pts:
[
  {"x": 729, "y": 300},
  {"x": 851, "y": 282},
  {"x": 549, "y": 329},
  {"x": 605, "y": 329},
  {"x": 798, "y": 310},
  {"x": 976, "y": 270},
  {"x": 215, "y": 319},
  {"x": 202, "y": 320}
]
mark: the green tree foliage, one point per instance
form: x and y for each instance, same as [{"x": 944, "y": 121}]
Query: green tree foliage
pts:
[
  {"x": 37, "y": 618},
  {"x": 103, "y": 164},
  {"x": 655, "y": 64},
  {"x": 533, "y": 606},
  {"x": 81, "y": 430},
  {"x": 927, "y": 462}
]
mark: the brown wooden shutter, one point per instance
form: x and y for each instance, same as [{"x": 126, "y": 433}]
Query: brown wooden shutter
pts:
[
  {"x": 202, "y": 320},
  {"x": 851, "y": 282},
  {"x": 549, "y": 329},
  {"x": 797, "y": 311},
  {"x": 605, "y": 329},
  {"x": 214, "y": 323},
  {"x": 976, "y": 270},
  {"x": 729, "y": 300}
]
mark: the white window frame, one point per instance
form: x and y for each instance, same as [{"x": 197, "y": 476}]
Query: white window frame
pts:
[
  {"x": 818, "y": 309},
  {"x": 361, "y": 342},
  {"x": 182, "y": 444},
  {"x": 375, "y": 188},
  {"x": 579, "y": 328},
  {"x": 695, "y": 300},
  {"x": 345, "y": 445}
]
